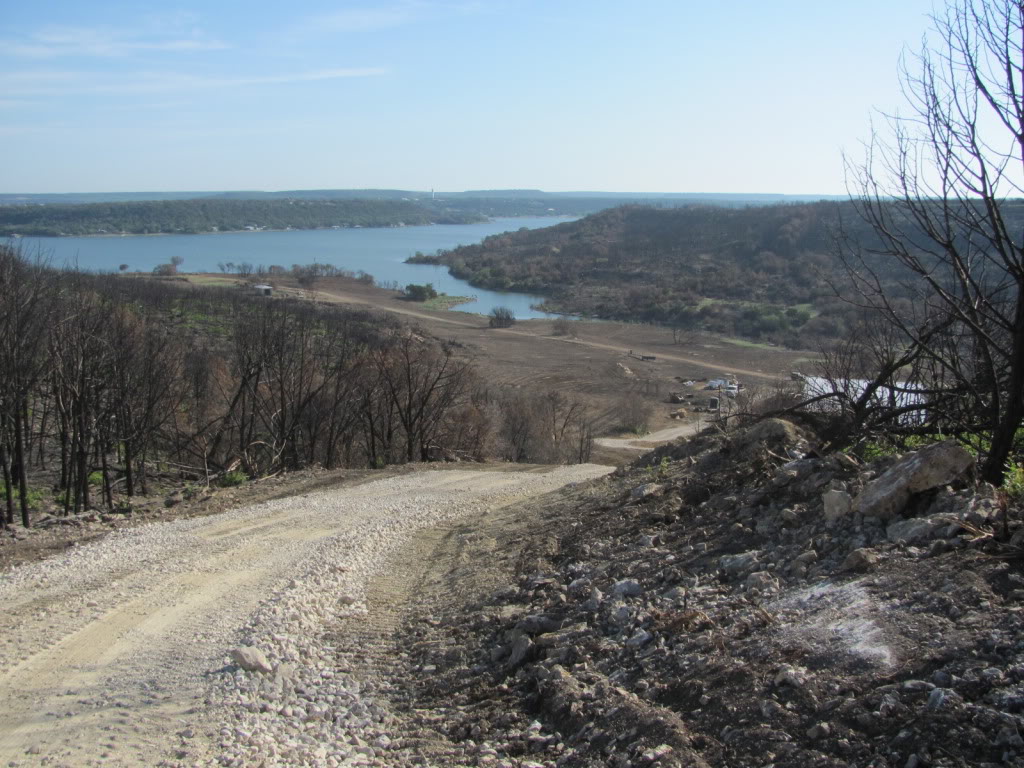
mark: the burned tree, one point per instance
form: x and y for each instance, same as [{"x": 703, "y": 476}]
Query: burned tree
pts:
[{"x": 946, "y": 265}]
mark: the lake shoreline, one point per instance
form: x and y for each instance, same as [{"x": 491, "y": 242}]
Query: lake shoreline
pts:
[
  {"x": 377, "y": 251},
  {"x": 120, "y": 235}
]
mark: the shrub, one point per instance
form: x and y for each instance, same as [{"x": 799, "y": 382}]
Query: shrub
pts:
[
  {"x": 502, "y": 317},
  {"x": 34, "y": 496},
  {"x": 420, "y": 292},
  {"x": 234, "y": 478},
  {"x": 562, "y": 326},
  {"x": 1013, "y": 482}
]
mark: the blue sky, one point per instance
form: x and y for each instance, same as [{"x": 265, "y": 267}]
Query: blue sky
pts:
[{"x": 648, "y": 95}]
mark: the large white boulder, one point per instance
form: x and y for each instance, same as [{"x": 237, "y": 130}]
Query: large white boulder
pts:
[{"x": 931, "y": 467}]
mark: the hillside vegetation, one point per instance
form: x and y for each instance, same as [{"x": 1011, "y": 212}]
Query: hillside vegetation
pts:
[
  {"x": 188, "y": 212},
  {"x": 213, "y": 215},
  {"x": 763, "y": 272},
  {"x": 114, "y": 384}
]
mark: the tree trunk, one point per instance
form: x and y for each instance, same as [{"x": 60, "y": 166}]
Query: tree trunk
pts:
[
  {"x": 7, "y": 518},
  {"x": 129, "y": 472},
  {"x": 19, "y": 457},
  {"x": 994, "y": 468}
]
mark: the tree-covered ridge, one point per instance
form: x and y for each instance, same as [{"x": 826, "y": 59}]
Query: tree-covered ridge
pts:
[
  {"x": 639, "y": 246},
  {"x": 766, "y": 272},
  {"x": 210, "y": 215}
]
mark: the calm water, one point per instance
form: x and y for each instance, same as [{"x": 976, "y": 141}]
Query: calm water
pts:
[{"x": 380, "y": 252}]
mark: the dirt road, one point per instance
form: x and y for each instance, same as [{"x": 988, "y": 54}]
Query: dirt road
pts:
[
  {"x": 388, "y": 304},
  {"x": 116, "y": 653},
  {"x": 651, "y": 439}
]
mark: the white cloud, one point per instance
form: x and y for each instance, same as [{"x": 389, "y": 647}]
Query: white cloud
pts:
[
  {"x": 150, "y": 82},
  {"x": 360, "y": 19},
  {"x": 394, "y": 15},
  {"x": 103, "y": 42},
  {"x": 44, "y": 83}
]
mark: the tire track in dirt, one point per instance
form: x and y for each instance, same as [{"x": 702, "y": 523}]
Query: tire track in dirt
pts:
[
  {"x": 113, "y": 674},
  {"x": 345, "y": 299}
]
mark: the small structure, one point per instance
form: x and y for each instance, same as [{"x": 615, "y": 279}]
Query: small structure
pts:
[
  {"x": 641, "y": 356},
  {"x": 263, "y": 290}
]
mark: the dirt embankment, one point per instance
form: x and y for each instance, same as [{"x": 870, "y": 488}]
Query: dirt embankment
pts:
[
  {"x": 734, "y": 600},
  {"x": 728, "y": 600}
]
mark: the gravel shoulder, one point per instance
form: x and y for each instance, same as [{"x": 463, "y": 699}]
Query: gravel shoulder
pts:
[{"x": 116, "y": 651}]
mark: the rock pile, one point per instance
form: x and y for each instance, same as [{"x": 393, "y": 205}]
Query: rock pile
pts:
[{"x": 739, "y": 600}]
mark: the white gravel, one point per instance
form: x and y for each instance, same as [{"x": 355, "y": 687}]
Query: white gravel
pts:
[{"x": 140, "y": 625}]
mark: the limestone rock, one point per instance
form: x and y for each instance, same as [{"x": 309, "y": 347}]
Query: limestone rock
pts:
[
  {"x": 916, "y": 529},
  {"x": 639, "y": 639},
  {"x": 520, "y": 649},
  {"x": 627, "y": 588},
  {"x": 646, "y": 490},
  {"x": 859, "y": 560},
  {"x": 251, "y": 659},
  {"x": 762, "y": 581},
  {"x": 931, "y": 467},
  {"x": 738, "y": 563},
  {"x": 837, "y": 505}
]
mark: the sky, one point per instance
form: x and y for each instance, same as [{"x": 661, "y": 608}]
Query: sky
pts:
[{"x": 559, "y": 95}]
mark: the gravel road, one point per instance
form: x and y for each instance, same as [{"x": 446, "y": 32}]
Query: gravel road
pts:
[
  {"x": 117, "y": 652},
  {"x": 652, "y": 439}
]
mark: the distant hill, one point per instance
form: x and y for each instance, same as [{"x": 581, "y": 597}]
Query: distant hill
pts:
[
  {"x": 593, "y": 200},
  {"x": 167, "y": 212},
  {"x": 761, "y": 272},
  {"x": 218, "y": 215}
]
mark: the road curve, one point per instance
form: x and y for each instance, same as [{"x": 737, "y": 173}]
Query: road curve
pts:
[{"x": 110, "y": 653}]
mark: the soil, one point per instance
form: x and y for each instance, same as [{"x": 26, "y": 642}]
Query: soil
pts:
[
  {"x": 700, "y": 609},
  {"x": 703, "y": 606},
  {"x": 600, "y": 363},
  {"x": 722, "y": 600}
]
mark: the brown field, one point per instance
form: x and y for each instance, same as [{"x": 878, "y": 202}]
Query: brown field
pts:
[{"x": 596, "y": 364}]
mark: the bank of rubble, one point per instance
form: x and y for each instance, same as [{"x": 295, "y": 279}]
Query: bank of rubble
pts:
[{"x": 738, "y": 599}]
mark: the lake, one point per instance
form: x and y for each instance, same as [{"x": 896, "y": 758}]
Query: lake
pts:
[{"x": 380, "y": 252}]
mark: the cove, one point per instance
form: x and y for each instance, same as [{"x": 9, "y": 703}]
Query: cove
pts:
[{"x": 380, "y": 252}]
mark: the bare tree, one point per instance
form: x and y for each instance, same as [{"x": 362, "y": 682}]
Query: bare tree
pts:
[
  {"x": 502, "y": 317},
  {"x": 26, "y": 294},
  {"x": 423, "y": 383},
  {"x": 547, "y": 427},
  {"x": 634, "y": 414},
  {"x": 937, "y": 193}
]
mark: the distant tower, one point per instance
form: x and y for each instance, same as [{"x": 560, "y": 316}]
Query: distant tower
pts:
[{"x": 431, "y": 194}]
